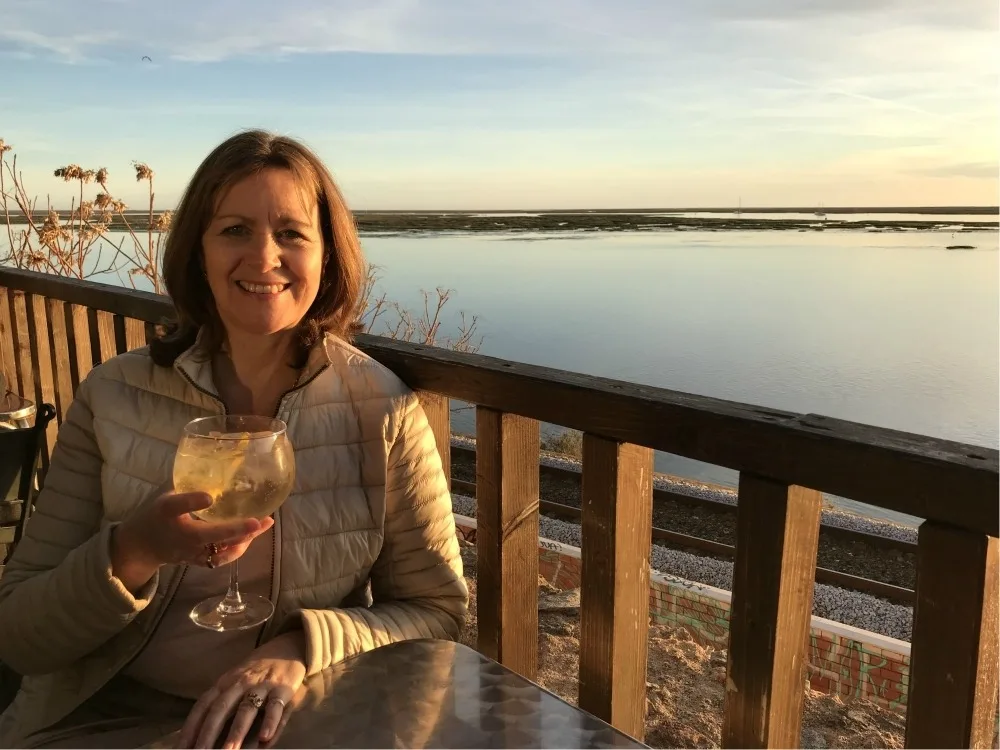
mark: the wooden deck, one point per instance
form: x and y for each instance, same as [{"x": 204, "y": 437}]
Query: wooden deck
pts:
[{"x": 53, "y": 331}]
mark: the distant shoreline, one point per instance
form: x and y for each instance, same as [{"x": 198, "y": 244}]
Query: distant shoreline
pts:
[
  {"x": 634, "y": 220},
  {"x": 969, "y": 210}
]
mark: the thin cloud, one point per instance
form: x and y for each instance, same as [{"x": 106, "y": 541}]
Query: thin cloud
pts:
[{"x": 973, "y": 171}]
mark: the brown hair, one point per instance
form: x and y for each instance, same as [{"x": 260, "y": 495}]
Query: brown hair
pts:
[{"x": 335, "y": 309}]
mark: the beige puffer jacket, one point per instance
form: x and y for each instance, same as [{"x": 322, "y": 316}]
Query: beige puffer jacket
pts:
[{"x": 371, "y": 503}]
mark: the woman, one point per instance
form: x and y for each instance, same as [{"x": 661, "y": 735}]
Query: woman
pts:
[{"x": 265, "y": 270}]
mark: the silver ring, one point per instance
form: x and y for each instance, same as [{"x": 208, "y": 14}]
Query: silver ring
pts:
[{"x": 276, "y": 700}]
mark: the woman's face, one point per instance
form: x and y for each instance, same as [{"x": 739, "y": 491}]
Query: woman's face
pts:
[{"x": 264, "y": 254}]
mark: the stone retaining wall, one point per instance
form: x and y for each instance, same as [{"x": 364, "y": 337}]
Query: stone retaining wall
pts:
[{"x": 843, "y": 660}]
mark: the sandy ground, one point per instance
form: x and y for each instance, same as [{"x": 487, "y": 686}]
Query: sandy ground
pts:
[{"x": 685, "y": 685}]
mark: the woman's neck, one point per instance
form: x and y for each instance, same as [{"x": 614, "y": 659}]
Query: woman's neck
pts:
[{"x": 252, "y": 372}]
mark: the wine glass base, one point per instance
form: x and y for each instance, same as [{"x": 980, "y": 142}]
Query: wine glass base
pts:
[{"x": 207, "y": 614}]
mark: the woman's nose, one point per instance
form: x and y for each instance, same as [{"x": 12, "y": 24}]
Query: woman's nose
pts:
[{"x": 264, "y": 252}]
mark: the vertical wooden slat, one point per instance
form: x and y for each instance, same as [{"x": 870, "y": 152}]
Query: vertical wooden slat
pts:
[
  {"x": 954, "y": 655},
  {"x": 436, "y": 407},
  {"x": 83, "y": 355},
  {"x": 777, "y": 537},
  {"x": 617, "y": 524},
  {"x": 42, "y": 356},
  {"x": 507, "y": 538},
  {"x": 121, "y": 344},
  {"x": 107, "y": 346},
  {"x": 8, "y": 361},
  {"x": 61, "y": 356},
  {"x": 135, "y": 334},
  {"x": 22, "y": 346}
]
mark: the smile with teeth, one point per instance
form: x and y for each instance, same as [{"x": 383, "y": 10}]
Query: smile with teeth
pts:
[{"x": 254, "y": 288}]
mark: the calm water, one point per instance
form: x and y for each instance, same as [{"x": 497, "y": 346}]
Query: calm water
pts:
[{"x": 886, "y": 329}]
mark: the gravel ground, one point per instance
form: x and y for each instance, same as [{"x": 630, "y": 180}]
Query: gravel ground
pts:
[
  {"x": 849, "y": 607},
  {"x": 856, "y": 558},
  {"x": 685, "y": 685}
]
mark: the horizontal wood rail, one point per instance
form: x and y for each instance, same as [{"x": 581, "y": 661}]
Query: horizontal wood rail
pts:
[{"x": 54, "y": 330}]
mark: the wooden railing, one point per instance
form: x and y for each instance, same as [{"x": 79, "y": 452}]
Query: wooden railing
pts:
[{"x": 53, "y": 331}]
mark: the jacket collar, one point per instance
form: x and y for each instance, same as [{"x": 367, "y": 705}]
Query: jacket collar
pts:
[{"x": 195, "y": 363}]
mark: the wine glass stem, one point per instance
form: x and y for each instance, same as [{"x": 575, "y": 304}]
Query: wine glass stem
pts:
[{"x": 233, "y": 603}]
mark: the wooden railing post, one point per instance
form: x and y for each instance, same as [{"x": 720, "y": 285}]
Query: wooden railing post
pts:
[
  {"x": 83, "y": 354},
  {"x": 7, "y": 362},
  {"x": 953, "y": 660},
  {"x": 45, "y": 385},
  {"x": 437, "y": 409},
  {"x": 507, "y": 538},
  {"x": 777, "y": 536},
  {"x": 617, "y": 505},
  {"x": 106, "y": 339},
  {"x": 25, "y": 382},
  {"x": 61, "y": 357},
  {"x": 135, "y": 334}
]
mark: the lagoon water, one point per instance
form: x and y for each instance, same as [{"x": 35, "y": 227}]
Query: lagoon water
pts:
[{"x": 889, "y": 329}]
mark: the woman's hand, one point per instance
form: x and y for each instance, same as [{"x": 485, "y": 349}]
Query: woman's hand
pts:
[
  {"x": 265, "y": 683},
  {"x": 163, "y": 532}
]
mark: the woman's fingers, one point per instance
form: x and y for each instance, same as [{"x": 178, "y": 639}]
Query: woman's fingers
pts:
[
  {"x": 215, "y": 718},
  {"x": 182, "y": 503},
  {"x": 227, "y": 532},
  {"x": 192, "y": 725},
  {"x": 276, "y": 710},
  {"x": 250, "y": 705},
  {"x": 229, "y": 553}
]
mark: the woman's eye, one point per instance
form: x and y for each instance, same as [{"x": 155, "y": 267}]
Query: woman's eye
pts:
[
  {"x": 236, "y": 230},
  {"x": 291, "y": 234}
]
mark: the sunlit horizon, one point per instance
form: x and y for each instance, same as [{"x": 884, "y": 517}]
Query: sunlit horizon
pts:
[{"x": 574, "y": 104}]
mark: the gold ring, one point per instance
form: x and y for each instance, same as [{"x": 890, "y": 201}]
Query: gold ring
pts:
[
  {"x": 253, "y": 699},
  {"x": 276, "y": 700}
]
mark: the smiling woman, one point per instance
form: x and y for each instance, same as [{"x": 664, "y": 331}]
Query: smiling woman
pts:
[
  {"x": 265, "y": 272},
  {"x": 261, "y": 211},
  {"x": 263, "y": 254}
]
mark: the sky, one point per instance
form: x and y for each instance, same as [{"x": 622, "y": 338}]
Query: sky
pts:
[{"x": 523, "y": 104}]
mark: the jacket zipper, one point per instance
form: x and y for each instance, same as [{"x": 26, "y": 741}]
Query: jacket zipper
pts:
[{"x": 274, "y": 537}]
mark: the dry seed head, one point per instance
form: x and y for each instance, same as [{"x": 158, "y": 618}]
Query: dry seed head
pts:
[
  {"x": 162, "y": 222},
  {"x": 142, "y": 171},
  {"x": 102, "y": 176},
  {"x": 4, "y": 147},
  {"x": 72, "y": 172},
  {"x": 102, "y": 201},
  {"x": 52, "y": 231},
  {"x": 88, "y": 176}
]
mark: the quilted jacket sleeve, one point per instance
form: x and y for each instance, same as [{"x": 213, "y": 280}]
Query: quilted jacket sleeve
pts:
[
  {"x": 58, "y": 597},
  {"x": 418, "y": 589}
]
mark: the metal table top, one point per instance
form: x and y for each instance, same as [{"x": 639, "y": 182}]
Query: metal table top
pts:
[{"x": 437, "y": 694}]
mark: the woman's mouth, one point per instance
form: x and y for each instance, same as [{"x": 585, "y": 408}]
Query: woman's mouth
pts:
[{"x": 255, "y": 288}]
